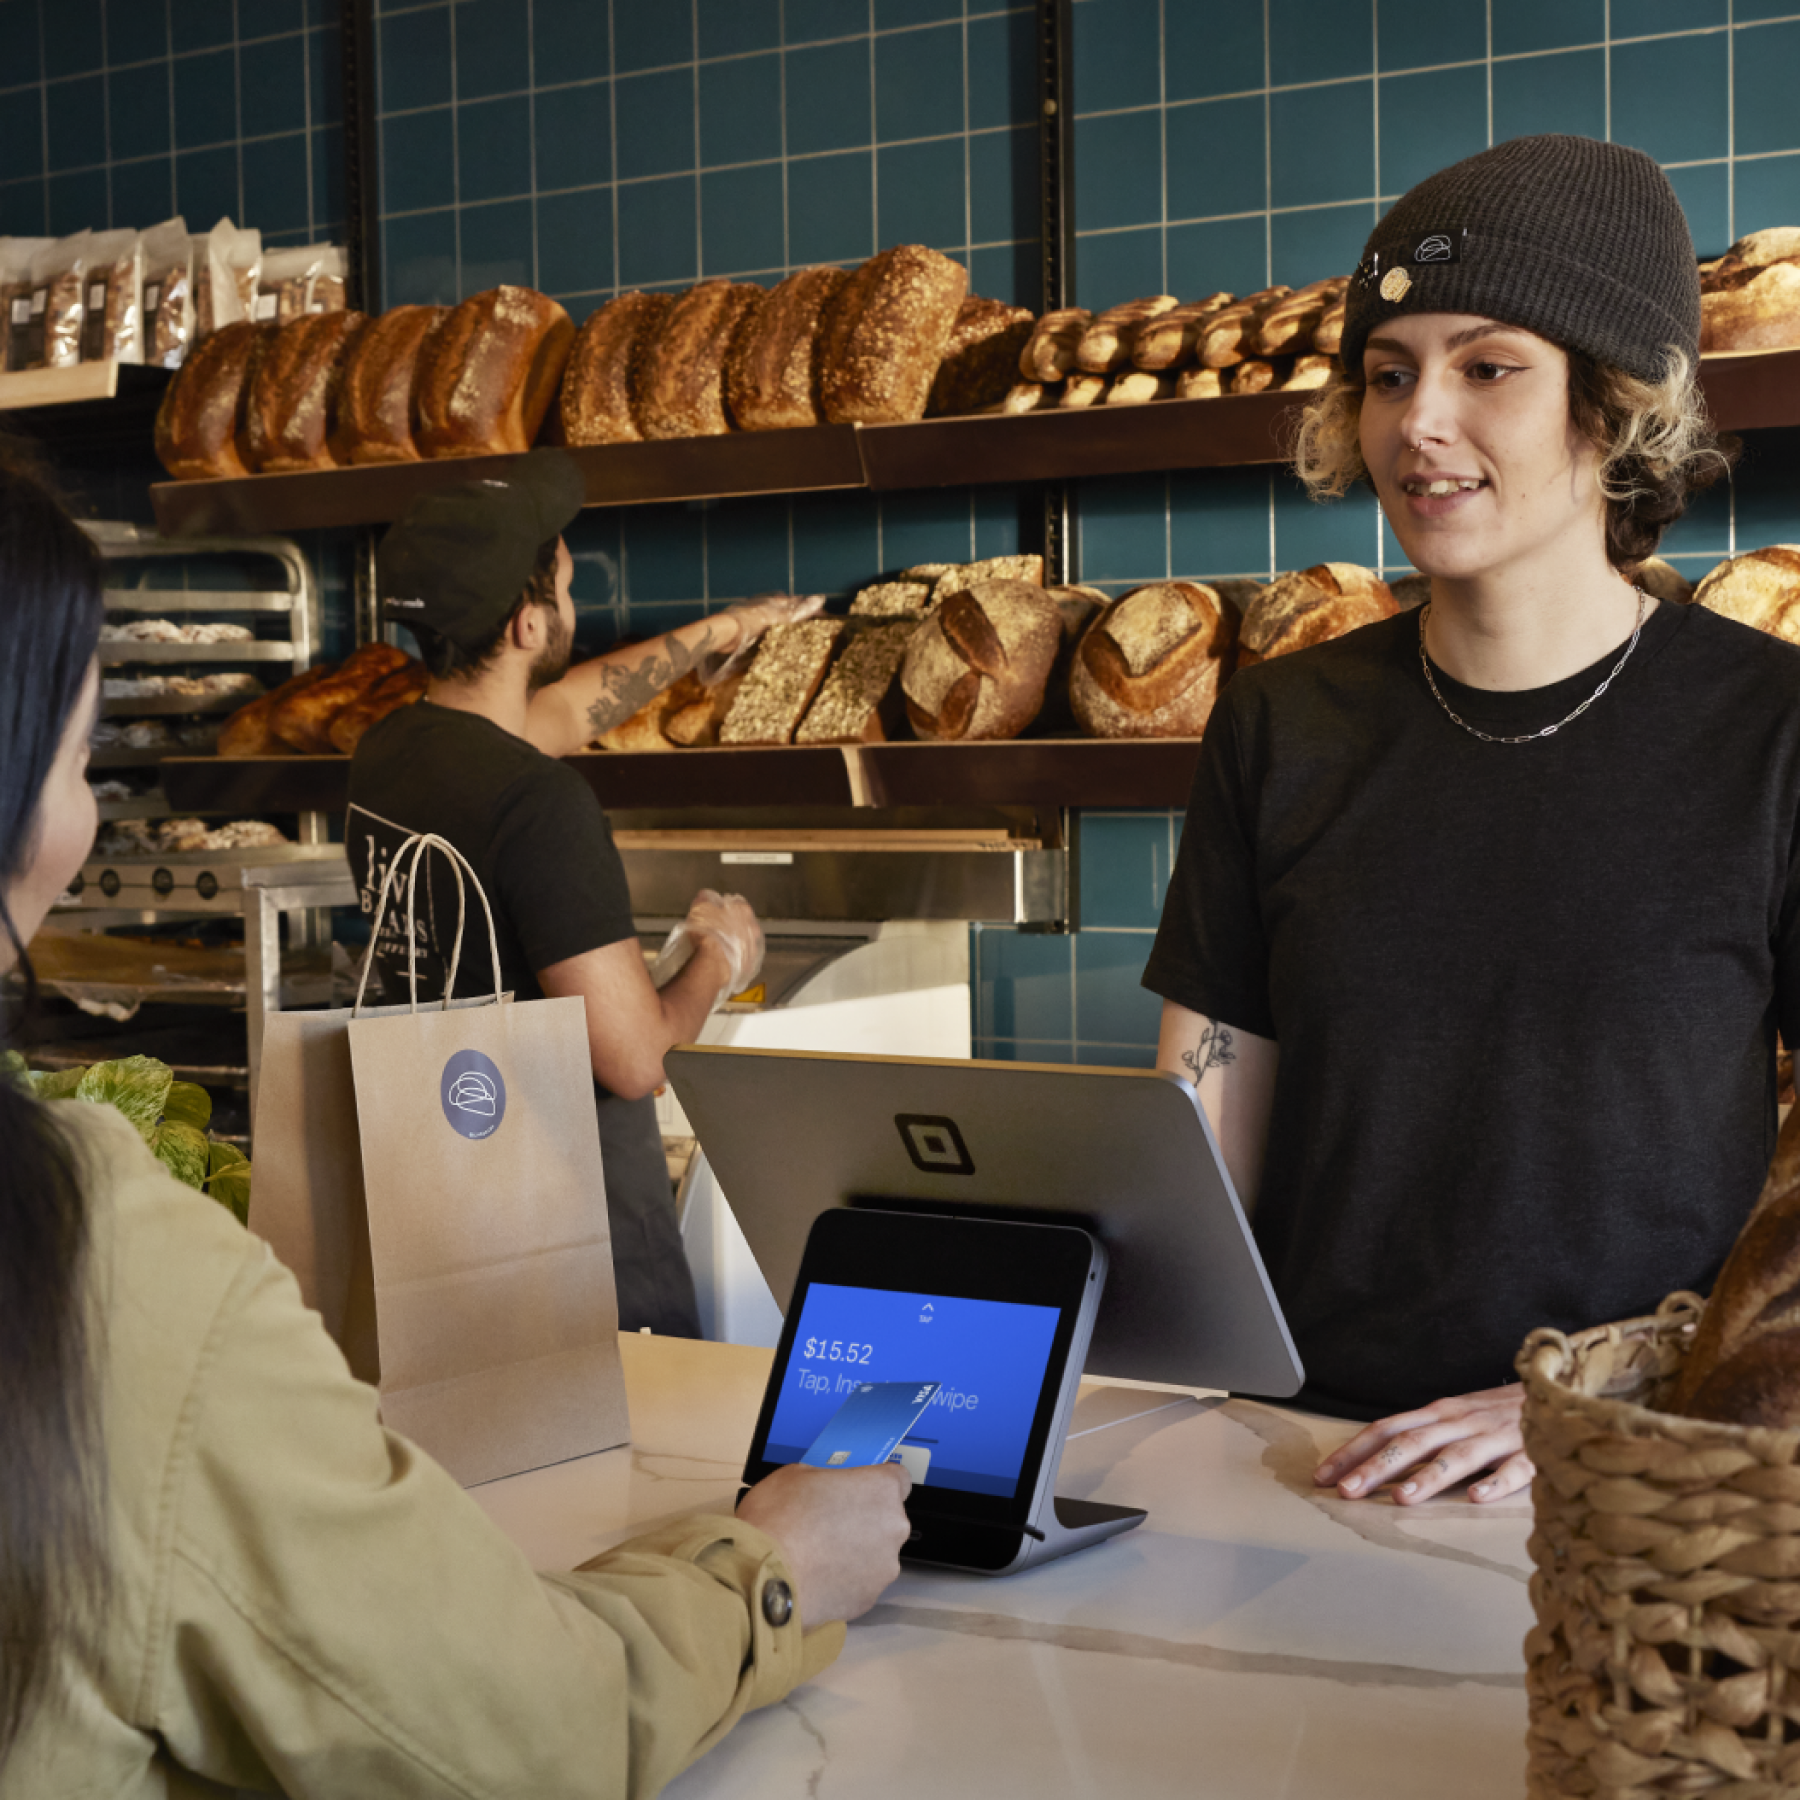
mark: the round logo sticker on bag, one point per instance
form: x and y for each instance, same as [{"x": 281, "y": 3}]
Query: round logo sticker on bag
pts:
[{"x": 474, "y": 1094}]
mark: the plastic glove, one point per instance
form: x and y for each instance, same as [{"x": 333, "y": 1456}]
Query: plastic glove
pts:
[
  {"x": 728, "y": 920},
  {"x": 766, "y": 611}
]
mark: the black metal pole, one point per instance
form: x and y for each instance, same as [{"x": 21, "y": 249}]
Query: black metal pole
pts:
[
  {"x": 1056, "y": 236},
  {"x": 362, "y": 243}
]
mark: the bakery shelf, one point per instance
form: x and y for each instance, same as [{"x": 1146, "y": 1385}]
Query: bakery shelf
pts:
[
  {"x": 1052, "y": 772},
  {"x": 123, "y": 756},
  {"x": 87, "y": 384},
  {"x": 116, "y": 651},
  {"x": 140, "y": 806},
  {"x": 1750, "y": 391},
  {"x": 149, "y": 705},
  {"x": 188, "y": 600}
]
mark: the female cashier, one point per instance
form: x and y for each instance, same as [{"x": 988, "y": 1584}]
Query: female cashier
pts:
[{"x": 1486, "y": 916}]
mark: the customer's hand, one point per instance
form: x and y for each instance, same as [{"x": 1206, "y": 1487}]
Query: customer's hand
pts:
[
  {"x": 840, "y": 1531},
  {"x": 730, "y": 922},
  {"x": 1426, "y": 1451},
  {"x": 754, "y": 617}
]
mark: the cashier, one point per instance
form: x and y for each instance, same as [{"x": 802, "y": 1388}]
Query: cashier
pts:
[
  {"x": 1486, "y": 916},
  {"x": 480, "y": 575}
]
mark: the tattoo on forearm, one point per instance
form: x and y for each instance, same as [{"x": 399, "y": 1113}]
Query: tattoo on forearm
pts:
[
  {"x": 627, "y": 690},
  {"x": 1213, "y": 1051}
]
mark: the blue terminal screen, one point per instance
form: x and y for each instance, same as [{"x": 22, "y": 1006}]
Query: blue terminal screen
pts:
[{"x": 989, "y": 1356}]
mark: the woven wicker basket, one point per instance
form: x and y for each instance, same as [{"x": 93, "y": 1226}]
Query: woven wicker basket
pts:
[{"x": 1666, "y": 1655}]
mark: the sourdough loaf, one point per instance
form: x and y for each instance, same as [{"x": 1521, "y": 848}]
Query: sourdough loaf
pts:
[
  {"x": 978, "y": 665},
  {"x": 678, "y": 373},
  {"x": 199, "y": 425},
  {"x": 594, "y": 403},
  {"x": 1050, "y": 351},
  {"x": 1761, "y": 588},
  {"x": 490, "y": 372},
  {"x": 1112, "y": 335},
  {"x": 1309, "y": 607},
  {"x": 1663, "y": 581},
  {"x": 388, "y": 695},
  {"x": 893, "y": 600},
  {"x": 771, "y": 372},
  {"x": 956, "y": 578},
  {"x": 1171, "y": 340},
  {"x": 1076, "y": 609},
  {"x": 883, "y": 334},
  {"x": 303, "y": 720},
  {"x": 376, "y": 408},
  {"x": 981, "y": 358},
  {"x": 292, "y": 406},
  {"x": 781, "y": 681},
  {"x": 1152, "y": 664},
  {"x": 1761, "y": 312},
  {"x": 856, "y": 704},
  {"x": 1744, "y": 1366}
]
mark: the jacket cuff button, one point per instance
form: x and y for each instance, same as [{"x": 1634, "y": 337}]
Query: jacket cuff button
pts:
[{"x": 777, "y": 1603}]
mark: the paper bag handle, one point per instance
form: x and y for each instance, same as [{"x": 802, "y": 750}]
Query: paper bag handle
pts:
[{"x": 418, "y": 844}]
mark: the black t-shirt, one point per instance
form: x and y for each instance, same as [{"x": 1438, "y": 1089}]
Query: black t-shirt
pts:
[
  {"x": 529, "y": 825},
  {"x": 1526, "y": 995}
]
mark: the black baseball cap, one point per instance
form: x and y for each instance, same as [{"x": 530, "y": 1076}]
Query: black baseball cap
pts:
[{"x": 458, "y": 558}]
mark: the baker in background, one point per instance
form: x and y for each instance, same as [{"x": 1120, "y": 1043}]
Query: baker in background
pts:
[{"x": 480, "y": 575}]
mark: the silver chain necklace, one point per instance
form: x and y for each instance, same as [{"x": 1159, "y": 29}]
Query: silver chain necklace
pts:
[{"x": 1549, "y": 730}]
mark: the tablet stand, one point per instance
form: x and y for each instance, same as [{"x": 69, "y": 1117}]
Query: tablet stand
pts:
[{"x": 1057, "y": 1527}]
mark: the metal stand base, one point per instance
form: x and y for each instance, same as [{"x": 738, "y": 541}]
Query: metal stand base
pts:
[{"x": 1071, "y": 1525}]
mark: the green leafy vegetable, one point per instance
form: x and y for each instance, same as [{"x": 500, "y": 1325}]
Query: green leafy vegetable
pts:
[
  {"x": 183, "y": 1151},
  {"x": 57, "y": 1084},
  {"x": 228, "y": 1179},
  {"x": 13, "y": 1069},
  {"x": 188, "y": 1104},
  {"x": 136, "y": 1085}
]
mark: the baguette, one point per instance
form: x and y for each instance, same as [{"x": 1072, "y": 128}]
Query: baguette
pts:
[
  {"x": 1050, "y": 352},
  {"x": 1107, "y": 343},
  {"x": 1028, "y": 396},
  {"x": 1289, "y": 324},
  {"x": 1083, "y": 390},
  {"x": 594, "y": 403},
  {"x": 1199, "y": 384},
  {"x": 883, "y": 334},
  {"x": 1256, "y": 375},
  {"x": 1328, "y": 334},
  {"x": 1171, "y": 339},
  {"x": 1308, "y": 372},
  {"x": 1133, "y": 387},
  {"x": 1232, "y": 333},
  {"x": 771, "y": 374}
]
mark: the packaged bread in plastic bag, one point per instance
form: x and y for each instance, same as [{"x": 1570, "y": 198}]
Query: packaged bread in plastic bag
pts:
[
  {"x": 295, "y": 282},
  {"x": 168, "y": 253},
  {"x": 58, "y": 302},
  {"x": 15, "y": 298},
  {"x": 225, "y": 276},
  {"x": 113, "y": 329}
]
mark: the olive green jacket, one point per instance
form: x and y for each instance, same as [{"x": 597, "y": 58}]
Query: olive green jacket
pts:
[{"x": 301, "y": 1601}]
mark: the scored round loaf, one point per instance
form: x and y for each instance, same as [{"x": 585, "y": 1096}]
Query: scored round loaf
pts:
[
  {"x": 291, "y": 409},
  {"x": 594, "y": 403},
  {"x": 303, "y": 720},
  {"x": 771, "y": 369},
  {"x": 977, "y": 667},
  {"x": 376, "y": 406},
  {"x": 1760, "y": 313},
  {"x": 199, "y": 425},
  {"x": 678, "y": 371},
  {"x": 883, "y": 334},
  {"x": 1152, "y": 664},
  {"x": 981, "y": 358},
  {"x": 1761, "y": 588},
  {"x": 1310, "y": 607},
  {"x": 490, "y": 372},
  {"x": 1778, "y": 243}
]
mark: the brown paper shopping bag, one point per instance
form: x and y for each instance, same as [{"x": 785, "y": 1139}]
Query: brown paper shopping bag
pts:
[{"x": 488, "y": 1254}]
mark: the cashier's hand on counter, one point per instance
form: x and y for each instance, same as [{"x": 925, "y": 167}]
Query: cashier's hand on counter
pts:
[
  {"x": 840, "y": 1531},
  {"x": 1419, "y": 1454}
]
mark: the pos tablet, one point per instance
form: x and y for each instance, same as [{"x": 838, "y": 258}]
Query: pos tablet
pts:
[{"x": 998, "y": 1314}]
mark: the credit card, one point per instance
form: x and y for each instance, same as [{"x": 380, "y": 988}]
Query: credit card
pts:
[{"x": 868, "y": 1427}]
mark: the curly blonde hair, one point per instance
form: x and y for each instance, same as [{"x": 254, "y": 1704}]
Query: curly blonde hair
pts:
[{"x": 1657, "y": 444}]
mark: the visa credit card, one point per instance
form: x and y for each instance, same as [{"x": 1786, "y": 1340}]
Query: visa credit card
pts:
[{"x": 867, "y": 1428}]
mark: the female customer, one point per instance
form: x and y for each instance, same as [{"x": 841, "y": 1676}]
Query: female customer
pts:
[
  {"x": 1486, "y": 916},
  {"x": 213, "y": 1561}
]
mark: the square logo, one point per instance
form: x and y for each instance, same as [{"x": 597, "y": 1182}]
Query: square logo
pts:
[{"x": 934, "y": 1144}]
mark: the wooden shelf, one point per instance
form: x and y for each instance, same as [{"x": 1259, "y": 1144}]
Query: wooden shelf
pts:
[
  {"x": 104, "y": 405},
  {"x": 1051, "y": 772},
  {"x": 1753, "y": 391}
]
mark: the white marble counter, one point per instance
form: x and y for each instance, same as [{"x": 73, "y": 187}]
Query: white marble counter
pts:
[{"x": 1253, "y": 1638}]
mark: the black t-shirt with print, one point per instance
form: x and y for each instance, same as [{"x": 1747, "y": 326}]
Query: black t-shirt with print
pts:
[
  {"x": 1525, "y": 995},
  {"x": 535, "y": 835}
]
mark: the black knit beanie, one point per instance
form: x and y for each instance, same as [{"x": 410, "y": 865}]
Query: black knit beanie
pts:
[{"x": 1582, "y": 242}]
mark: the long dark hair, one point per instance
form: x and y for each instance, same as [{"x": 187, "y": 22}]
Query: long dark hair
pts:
[{"x": 52, "y": 1557}]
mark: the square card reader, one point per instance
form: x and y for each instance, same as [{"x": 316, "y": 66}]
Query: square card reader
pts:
[{"x": 997, "y": 1313}]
